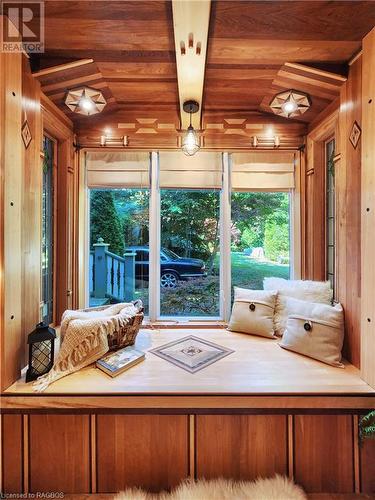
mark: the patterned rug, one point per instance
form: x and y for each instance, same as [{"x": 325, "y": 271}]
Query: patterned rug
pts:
[{"x": 191, "y": 353}]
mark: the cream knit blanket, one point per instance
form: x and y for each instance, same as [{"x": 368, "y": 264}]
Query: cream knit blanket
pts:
[{"x": 84, "y": 339}]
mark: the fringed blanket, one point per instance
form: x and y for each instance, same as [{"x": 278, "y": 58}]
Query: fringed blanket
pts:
[{"x": 84, "y": 339}]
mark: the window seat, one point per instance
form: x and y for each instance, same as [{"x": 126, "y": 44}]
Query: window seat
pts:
[{"x": 257, "y": 366}]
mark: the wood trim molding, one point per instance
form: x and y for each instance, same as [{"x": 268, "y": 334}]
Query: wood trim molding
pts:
[
  {"x": 324, "y": 125},
  {"x": 61, "y": 67},
  {"x": 55, "y": 122},
  {"x": 26, "y": 453},
  {"x": 290, "y": 447},
  {"x": 192, "y": 446},
  {"x": 99, "y": 403},
  {"x": 93, "y": 454}
]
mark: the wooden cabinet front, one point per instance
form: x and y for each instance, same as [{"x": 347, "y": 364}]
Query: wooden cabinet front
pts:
[
  {"x": 149, "y": 451},
  {"x": 59, "y": 453},
  {"x": 241, "y": 446},
  {"x": 108, "y": 452}
]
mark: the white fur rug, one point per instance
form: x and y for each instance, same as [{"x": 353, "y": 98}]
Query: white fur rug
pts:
[{"x": 277, "y": 488}]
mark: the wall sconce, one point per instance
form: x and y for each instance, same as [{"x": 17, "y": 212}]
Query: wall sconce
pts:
[
  {"x": 266, "y": 142},
  {"x": 114, "y": 141}
]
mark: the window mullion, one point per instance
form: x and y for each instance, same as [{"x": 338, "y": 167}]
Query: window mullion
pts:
[
  {"x": 154, "y": 232},
  {"x": 225, "y": 240}
]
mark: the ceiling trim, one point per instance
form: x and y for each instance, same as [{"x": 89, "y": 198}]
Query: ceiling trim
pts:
[{"x": 62, "y": 67}]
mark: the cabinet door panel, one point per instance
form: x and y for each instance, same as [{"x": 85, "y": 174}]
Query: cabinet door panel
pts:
[
  {"x": 149, "y": 451},
  {"x": 367, "y": 457},
  {"x": 241, "y": 446},
  {"x": 323, "y": 453},
  {"x": 12, "y": 454},
  {"x": 59, "y": 453}
]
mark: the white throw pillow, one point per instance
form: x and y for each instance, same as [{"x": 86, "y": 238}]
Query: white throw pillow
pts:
[
  {"x": 253, "y": 312},
  {"x": 312, "y": 291},
  {"x": 315, "y": 330}
]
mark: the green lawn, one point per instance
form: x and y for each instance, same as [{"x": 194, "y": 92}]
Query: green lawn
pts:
[{"x": 249, "y": 273}]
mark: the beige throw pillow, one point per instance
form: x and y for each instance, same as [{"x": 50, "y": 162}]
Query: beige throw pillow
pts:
[
  {"x": 253, "y": 312},
  {"x": 312, "y": 291},
  {"x": 315, "y": 330}
]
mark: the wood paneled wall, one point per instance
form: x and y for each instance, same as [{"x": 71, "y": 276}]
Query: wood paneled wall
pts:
[
  {"x": 347, "y": 173},
  {"x": 348, "y": 212},
  {"x": 368, "y": 211},
  {"x": 20, "y": 220},
  {"x": 10, "y": 217},
  {"x": 31, "y": 206},
  {"x": 82, "y": 453}
]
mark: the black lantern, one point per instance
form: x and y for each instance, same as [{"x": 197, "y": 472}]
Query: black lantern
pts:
[{"x": 41, "y": 351}]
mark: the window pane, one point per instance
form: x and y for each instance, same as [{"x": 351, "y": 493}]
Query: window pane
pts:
[
  {"x": 260, "y": 240},
  {"x": 330, "y": 211},
  {"x": 119, "y": 237},
  {"x": 189, "y": 281},
  {"x": 47, "y": 230}
]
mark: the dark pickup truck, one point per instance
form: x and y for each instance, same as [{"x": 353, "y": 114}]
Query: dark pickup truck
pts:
[{"x": 172, "y": 267}]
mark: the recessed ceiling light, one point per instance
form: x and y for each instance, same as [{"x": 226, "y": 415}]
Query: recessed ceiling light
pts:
[
  {"x": 85, "y": 101},
  {"x": 290, "y": 103}
]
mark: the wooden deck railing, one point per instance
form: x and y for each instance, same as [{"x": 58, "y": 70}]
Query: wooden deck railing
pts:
[{"x": 110, "y": 275}]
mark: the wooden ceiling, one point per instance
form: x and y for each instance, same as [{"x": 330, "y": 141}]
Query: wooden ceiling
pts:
[{"x": 255, "y": 49}]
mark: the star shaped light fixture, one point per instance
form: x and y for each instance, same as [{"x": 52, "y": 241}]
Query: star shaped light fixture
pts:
[
  {"x": 85, "y": 101},
  {"x": 290, "y": 103}
]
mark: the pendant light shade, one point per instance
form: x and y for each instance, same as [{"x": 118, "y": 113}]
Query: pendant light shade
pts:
[{"x": 190, "y": 142}]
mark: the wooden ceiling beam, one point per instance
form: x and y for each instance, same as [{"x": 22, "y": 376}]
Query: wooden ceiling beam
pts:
[
  {"x": 61, "y": 67},
  {"x": 190, "y": 24}
]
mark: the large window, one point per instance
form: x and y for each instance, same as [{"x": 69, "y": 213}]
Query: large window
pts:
[
  {"x": 179, "y": 233},
  {"x": 330, "y": 212},
  {"x": 47, "y": 228},
  {"x": 119, "y": 238},
  {"x": 189, "y": 256},
  {"x": 260, "y": 237}
]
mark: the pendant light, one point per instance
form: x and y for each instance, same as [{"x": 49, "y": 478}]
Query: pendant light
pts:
[{"x": 190, "y": 142}]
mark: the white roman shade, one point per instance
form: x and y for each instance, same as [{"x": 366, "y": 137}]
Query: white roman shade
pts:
[
  {"x": 202, "y": 171},
  {"x": 271, "y": 171},
  {"x": 118, "y": 169}
]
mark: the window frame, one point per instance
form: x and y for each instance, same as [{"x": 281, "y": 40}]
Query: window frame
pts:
[
  {"x": 326, "y": 216},
  {"x": 225, "y": 240},
  {"x": 54, "y": 229}
]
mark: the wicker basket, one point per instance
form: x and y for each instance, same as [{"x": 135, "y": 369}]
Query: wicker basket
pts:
[{"x": 126, "y": 335}]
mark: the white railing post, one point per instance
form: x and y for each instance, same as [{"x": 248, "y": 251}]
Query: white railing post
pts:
[
  {"x": 100, "y": 276},
  {"x": 129, "y": 275}
]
